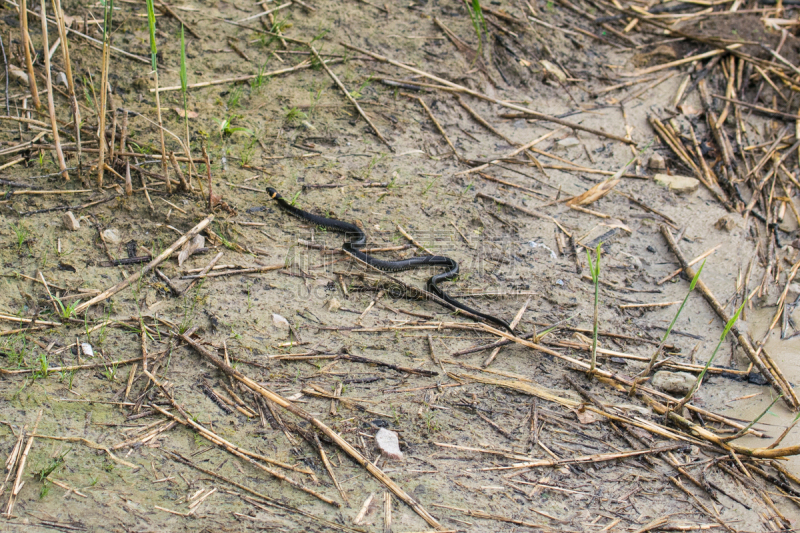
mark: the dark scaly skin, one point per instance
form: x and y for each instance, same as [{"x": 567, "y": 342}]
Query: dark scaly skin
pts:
[{"x": 355, "y": 239}]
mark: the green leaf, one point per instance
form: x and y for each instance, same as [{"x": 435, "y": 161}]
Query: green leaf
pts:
[
  {"x": 696, "y": 276},
  {"x": 683, "y": 303},
  {"x": 184, "y": 77},
  {"x": 151, "y": 22},
  {"x": 733, "y": 320},
  {"x": 108, "y": 14}
]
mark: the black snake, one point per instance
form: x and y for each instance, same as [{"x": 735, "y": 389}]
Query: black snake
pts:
[{"x": 356, "y": 239}]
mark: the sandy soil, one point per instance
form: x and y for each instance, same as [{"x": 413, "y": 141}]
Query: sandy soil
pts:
[{"x": 300, "y": 134}]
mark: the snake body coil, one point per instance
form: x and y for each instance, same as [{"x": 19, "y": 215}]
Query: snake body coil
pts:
[{"x": 355, "y": 239}]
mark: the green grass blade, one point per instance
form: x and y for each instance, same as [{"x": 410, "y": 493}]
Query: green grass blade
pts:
[
  {"x": 151, "y": 22},
  {"x": 702, "y": 375},
  {"x": 184, "y": 76},
  {"x": 685, "y": 299},
  {"x": 108, "y": 15},
  {"x": 653, "y": 358}
]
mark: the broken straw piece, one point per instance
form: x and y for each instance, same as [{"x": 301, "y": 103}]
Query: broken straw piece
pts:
[{"x": 388, "y": 444}]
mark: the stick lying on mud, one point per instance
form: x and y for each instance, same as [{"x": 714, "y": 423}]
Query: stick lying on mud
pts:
[
  {"x": 461, "y": 88},
  {"x": 297, "y": 411},
  {"x": 696, "y": 430},
  {"x": 108, "y": 293},
  {"x": 771, "y": 374}
]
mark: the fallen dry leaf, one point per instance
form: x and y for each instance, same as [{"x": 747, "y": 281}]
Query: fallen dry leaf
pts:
[
  {"x": 595, "y": 193},
  {"x": 191, "y": 247},
  {"x": 585, "y": 417},
  {"x": 180, "y": 112}
]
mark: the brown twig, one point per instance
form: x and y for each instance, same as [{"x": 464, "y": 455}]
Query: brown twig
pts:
[
  {"x": 335, "y": 437},
  {"x": 164, "y": 168},
  {"x": 50, "y": 102},
  {"x": 152, "y": 264},
  {"x": 771, "y": 374},
  {"x": 73, "y": 100},
  {"x": 169, "y": 11},
  {"x": 26, "y": 39},
  {"x": 17, "y": 486},
  {"x": 509, "y": 105},
  {"x": 101, "y": 130},
  {"x": 349, "y": 96}
]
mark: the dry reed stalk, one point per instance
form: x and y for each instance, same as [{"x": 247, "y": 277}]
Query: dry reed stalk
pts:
[
  {"x": 50, "y": 103},
  {"x": 299, "y": 412},
  {"x": 489, "y": 516},
  {"x": 101, "y": 129},
  {"x": 435, "y": 123},
  {"x": 510, "y": 154},
  {"x": 232, "y": 448},
  {"x": 169, "y": 11},
  {"x": 514, "y": 324},
  {"x": 509, "y": 105},
  {"x": 152, "y": 264},
  {"x": 480, "y": 120},
  {"x": 305, "y": 64},
  {"x": 164, "y": 167},
  {"x": 73, "y": 100},
  {"x": 122, "y": 148},
  {"x": 770, "y": 372},
  {"x": 349, "y": 96},
  {"x": 697, "y": 430},
  {"x": 184, "y": 184},
  {"x": 17, "y": 486},
  {"x": 329, "y": 467},
  {"x": 26, "y": 39},
  {"x": 11, "y": 461},
  {"x": 332, "y": 525},
  {"x": 202, "y": 274}
]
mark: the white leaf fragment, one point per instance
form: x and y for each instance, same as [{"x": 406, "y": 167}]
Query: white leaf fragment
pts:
[{"x": 388, "y": 444}]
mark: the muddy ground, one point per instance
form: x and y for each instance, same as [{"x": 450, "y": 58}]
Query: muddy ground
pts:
[{"x": 297, "y": 133}]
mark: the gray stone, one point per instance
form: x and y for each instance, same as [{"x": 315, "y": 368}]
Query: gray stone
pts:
[
  {"x": 674, "y": 382},
  {"x": 70, "y": 222},
  {"x": 112, "y": 236},
  {"x": 656, "y": 162},
  {"x": 678, "y": 184}
]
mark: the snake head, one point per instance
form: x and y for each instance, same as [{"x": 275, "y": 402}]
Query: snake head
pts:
[{"x": 272, "y": 193}]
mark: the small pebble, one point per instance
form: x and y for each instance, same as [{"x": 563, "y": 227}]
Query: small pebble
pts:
[
  {"x": 656, "y": 162},
  {"x": 280, "y": 321},
  {"x": 675, "y": 382},
  {"x": 678, "y": 184},
  {"x": 70, "y": 222},
  {"x": 87, "y": 350},
  {"x": 111, "y": 236}
]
